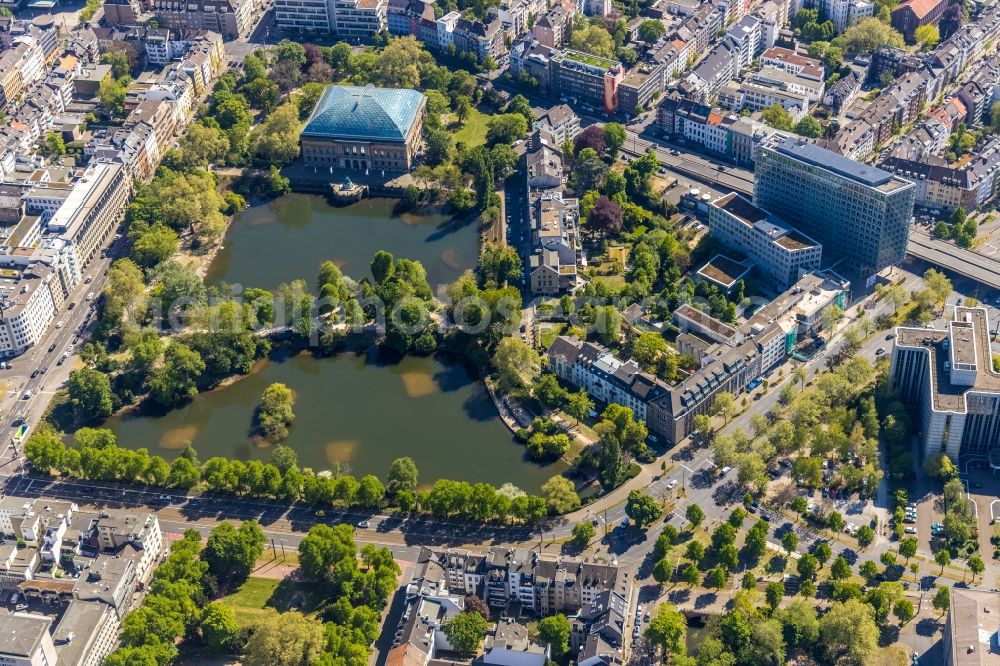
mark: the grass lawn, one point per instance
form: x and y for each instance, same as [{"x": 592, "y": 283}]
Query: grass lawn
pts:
[
  {"x": 473, "y": 132},
  {"x": 549, "y": 332},
  {"x": 616, "y": 281},
  {"x": 253, "y": 596}
]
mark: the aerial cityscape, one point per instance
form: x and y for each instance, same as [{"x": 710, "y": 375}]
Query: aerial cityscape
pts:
[{"x": 503, "y": 332}]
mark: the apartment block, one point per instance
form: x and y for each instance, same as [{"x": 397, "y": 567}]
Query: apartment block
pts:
[
  {"x": 947, "y": 376},
  {"x": 939, "y": 185},
  {"x": 553, "y": 221},
  {"x": 232, "y": 19},
  {"x": 866, "y": 210},
  {"x": 552, "y": 30},
  {"x": 560, "y": 122},
  {"x": 606, "y": 378},
  {"x": 776, "y": 249},
  {"x": 843, "y": 13},
  {"x": 542, "y": 584}
]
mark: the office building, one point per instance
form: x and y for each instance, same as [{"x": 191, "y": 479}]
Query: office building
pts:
[
  {"x": 947, "y": 377},
  {"x": 640, "y": 85},
  {"x": 859, "y": 213},
  {"x": 25, "y": 640},
  {"x": 87, "y": 633},
  {"x": 30, "y": 297},
  {"x": 348, "y": 19},
  {"x": 92, "y": 212},
  {"x": 364, "y": 128},
  {"x": 731, "y": 358},
  {"x": 776, "y": 249},
  {"x": 970, "y": 633},
  {"x": 588, "y": 78}
]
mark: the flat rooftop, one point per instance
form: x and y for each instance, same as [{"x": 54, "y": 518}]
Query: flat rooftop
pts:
[
  {"x": 812, "y": 154},
  {"x": 741, "y": 208},
  {"x": 723, "y": 271},
  {"x": 971, "y": 344},
  {"x": 764, "y": 222},
  {"x": 692, "y": 313},
  {"x": 963, "y": 342},
  {"x": 972, "y": 624},
  {"x": 795, "y": 240}
]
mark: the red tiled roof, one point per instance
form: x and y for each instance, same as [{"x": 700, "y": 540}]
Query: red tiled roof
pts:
[{"x": 920, "y": 8}]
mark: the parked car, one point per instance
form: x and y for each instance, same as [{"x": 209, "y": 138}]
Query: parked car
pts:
[{"x": 363, "y": 524}]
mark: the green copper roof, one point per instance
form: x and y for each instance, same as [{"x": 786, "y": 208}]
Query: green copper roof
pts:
[{"x": 384, "y": 114}]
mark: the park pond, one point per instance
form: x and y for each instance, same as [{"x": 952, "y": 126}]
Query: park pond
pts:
[
  {"x": 289, "y": 238},
  {"x": 357, "y": 410}
]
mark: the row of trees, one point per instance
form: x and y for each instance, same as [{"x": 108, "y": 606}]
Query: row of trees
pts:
[{"x": 95, "y": 455}]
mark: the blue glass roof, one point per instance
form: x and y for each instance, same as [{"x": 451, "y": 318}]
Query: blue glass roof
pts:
[{"x": 353, "y": 112}]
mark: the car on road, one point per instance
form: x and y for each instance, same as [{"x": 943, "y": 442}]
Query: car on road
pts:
[
  {"x": 52, "y": 347},
  {"x": 363, "y": 524},
  {"x": 27, "y": 394},
  {"x": 164, "y": 498},
  {"x": 34, "y": 374},
  {"x": 880, "y": 351},
  {"x": 59, "y": 324},
  {"x": 672, "y": 484}
]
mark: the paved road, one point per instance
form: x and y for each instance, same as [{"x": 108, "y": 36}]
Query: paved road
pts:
[{"x": 43, "y": 360}]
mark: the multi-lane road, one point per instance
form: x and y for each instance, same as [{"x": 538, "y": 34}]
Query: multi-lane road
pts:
[{"x": 39, "y": 370}]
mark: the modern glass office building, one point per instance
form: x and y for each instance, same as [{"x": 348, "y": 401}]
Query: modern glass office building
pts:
[{"x": 860, "y": 213}]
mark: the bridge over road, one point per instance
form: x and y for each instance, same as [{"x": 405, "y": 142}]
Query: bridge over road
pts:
[{"x": 984, "y": 270}]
